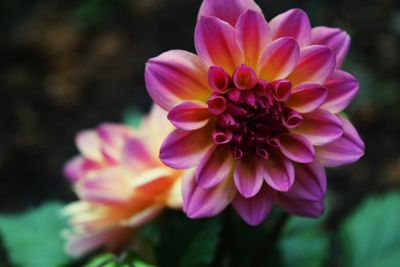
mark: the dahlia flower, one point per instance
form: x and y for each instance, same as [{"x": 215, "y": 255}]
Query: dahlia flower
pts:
[
  {"x": 257, "y": 111},
  {"x": 121, "y": 183}
]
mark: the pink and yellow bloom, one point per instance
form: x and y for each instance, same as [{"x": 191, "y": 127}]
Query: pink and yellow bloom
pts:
[
  {"x": 121, "y": 183},
  {"x": 257, "y": 111}
]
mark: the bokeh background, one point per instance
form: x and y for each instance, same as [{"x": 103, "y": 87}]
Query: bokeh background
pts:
[{"x": 68, "y": 65}]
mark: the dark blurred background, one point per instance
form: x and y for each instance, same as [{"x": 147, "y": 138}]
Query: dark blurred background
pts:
[{"x": 67, "y": 65}]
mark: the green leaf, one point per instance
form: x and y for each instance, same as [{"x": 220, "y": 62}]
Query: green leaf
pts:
[
  {"x": 304, "y": 243},
  {"x": 202, "y": 248},
  {"x": 101, "y": 260},
  {"x": 132, "y": 117},
  {"x": 32, "y": 239},
  {"x": 110, "y": 260},
  {"x": 139, "y": 263},
  {"x": 370, "y": 237},
  {"x": 187, "y": 243}
]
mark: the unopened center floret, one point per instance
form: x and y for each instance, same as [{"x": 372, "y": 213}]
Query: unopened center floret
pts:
[{"x": 250, "y": 113}]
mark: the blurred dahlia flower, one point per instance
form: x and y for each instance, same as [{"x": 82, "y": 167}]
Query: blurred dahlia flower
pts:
[
  {"x": 121, "y": 183},
  {"x": 256, "y": 110}
]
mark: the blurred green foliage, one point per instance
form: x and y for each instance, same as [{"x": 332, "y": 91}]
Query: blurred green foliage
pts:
[
  {"x": 188, "y": 243},
  {"x": 33, "y": 238},
  {"x": 304, "y": 242},
  {"x": 370, "y": 237}
]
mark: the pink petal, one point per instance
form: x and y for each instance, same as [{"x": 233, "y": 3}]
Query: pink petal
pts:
[
  {"x": 174, "y": 76},
  {"x": 244, "y": 77},
  {"x": 113, "y": 134},
  {"x": 253, "y": 35},
  {"x": 307, "y": 97},
  {"x": 189, "y": 115},
  {"x": 293, "y": 23},
  {"x": 281, "y": 90},
  {"x": 77, "y": 167},
  {"x": 82, "y": 243},
  {"x": 218, "y": 79},
  {"x": 184, "y": 149},
  {"x": 227, "y": 10},
  {"x": 347, "y": 149},
  {"x": 254, "y": 210},
  {"x": 136, "y": 155},
  {"x": 301, "y": 208},
  {"x": 336, "y": 39},
  {"x": 200, "y": 203},
  {"x": 278, "y": 172},
  {"x": 108, "y": 186},
  {"x": 220, "y": 137},
  {"x": 279, "y": 59},
  {"x": 89, "y": 144},
  {"x": 217, "y": 104},
  {"x": 342, "y": 87},
  {"x": 214, "y": 167},
  {"x": 291, "y": 119},
  {"x": 310, "y": 182},
  {"x": 316, "y": 64},
  {"x": 297, "y": 148},
  {"x": 320, "y": 127},
  {"x": 216, "y": 44},
  {"x": 248, "y": 177}
]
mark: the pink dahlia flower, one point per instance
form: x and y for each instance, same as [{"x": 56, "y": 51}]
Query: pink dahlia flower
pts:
[
  {"x": 121, "y": 183},
  {"x": 256, "y": 110}
]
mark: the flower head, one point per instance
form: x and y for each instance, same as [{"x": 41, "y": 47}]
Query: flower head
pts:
[
  {"x": 120, "y": 182},
  {"x": 256, "y": 110}
]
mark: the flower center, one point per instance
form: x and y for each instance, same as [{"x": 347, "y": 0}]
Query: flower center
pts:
[{"x": 250, "y": 113}]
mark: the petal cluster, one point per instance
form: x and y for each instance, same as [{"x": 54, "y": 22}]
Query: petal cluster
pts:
[
  {"x": 257, "y": 111},
  {"x": 120, "y": 182}
]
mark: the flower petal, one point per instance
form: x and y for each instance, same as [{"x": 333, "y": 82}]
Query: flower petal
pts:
[
  {"x": 279, "y": 59},
  {"x": 307, "y": 97},
  {"x": 89, "y": 144},
  {"x": 174, "y": 197},
  {"x": 227, "y": 10},
  {"x": 108, "y": 186},
  {"x": 113, "y": 134},
  {"x": 189, "y": 115},
  {"x": 143, "y": 217},
  {"x": 216, "y": 44},
  {"x": 301, "y": 208},
  {"x": 184, "y": 149},
  {"x": 293, "y": 23},
  {"x": 253, "y": 35},
  {"x": 214, "y": 167},
  {"x": 310, "y": 184},
  {"x": 316, "y": 64},
  {"x": 297, "y": 148},
  {"x": 342, "y": 87},
  {"x": 254, "y": 210},
  {"x": 82, "y": 243},
  {"x": 77, "y": 168},
  {"x": 248, "y": 177},
  {"x": 336, "y": 39},
  {"x": 174, "y": 76},
  {"x": 153, "y": 182},
  {"x": 347, "y": 149},
  {"x": 199, "y": 202},
  {"x": 279, "y": 173},
  {"x": 154, "y": 129},
  {"x": 320, "y": 127},
  {"x": 136, "y": 156}
]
